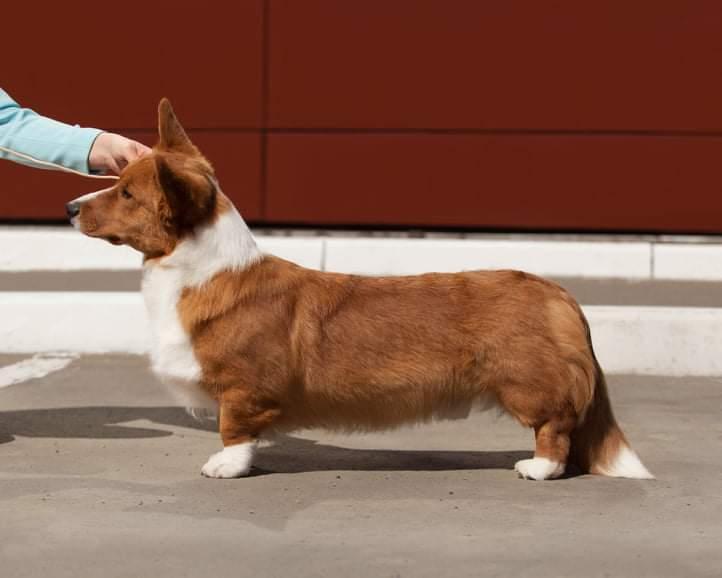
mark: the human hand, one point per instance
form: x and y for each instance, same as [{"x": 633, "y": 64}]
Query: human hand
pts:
[{"x": 111, "y": 153}]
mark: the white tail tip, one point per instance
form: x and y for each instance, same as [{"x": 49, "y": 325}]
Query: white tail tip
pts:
[{"x": 627, "y": 465}]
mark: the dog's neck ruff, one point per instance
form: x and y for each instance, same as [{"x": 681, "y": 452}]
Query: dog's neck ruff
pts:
[{"x": 226, "y": 244}]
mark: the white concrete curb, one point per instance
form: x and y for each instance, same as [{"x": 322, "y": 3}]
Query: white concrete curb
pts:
[
  {"x": 83, "y": 322},
  {"x": 555, "y": 258},
  {"x": 55, "y": 249},
  {"x": 62, "y": 249},
  {"x": 688, "y": 262},
  {"x": 637, "y": 340},
  {"x": 674, "y": 341},
  {"x": 30, "y": 249}
]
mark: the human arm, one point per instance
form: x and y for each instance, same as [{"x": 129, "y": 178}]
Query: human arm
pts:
[{"x": 81, "y": 149}]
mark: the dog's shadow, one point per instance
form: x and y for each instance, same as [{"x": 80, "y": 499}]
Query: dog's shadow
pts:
[
  {"x": 95, "y": 422},
  {"x": 289, "y": 454}
]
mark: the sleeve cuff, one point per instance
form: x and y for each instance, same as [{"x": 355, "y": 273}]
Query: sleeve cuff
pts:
[{"x": 79, "y": 153}]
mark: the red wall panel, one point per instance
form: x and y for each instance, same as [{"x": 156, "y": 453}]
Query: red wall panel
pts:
[
  {"x": 469, "y": 113},
  {"x": 508, "y": 181},
  {"x": 38, "y": 194},
  {"x": 513, "y": 64},
  {"x": 108, "y": 66}
]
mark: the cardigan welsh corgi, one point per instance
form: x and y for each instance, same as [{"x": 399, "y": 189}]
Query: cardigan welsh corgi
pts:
[{"x": 276, "y": 347}]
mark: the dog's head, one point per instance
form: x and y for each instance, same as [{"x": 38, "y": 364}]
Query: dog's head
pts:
[{"x": 158, "y": 199}]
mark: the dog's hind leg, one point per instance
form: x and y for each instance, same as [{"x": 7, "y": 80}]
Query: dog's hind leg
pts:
[
  {"x": 241, "y": 420},
  {"x": 552, "y": 416},
  {"x": 552, "y": 450}
]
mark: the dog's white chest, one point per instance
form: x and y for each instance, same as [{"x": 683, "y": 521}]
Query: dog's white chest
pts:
[
  {"x": 225, "y": 244},
  {"x": 172, "y": 356}
]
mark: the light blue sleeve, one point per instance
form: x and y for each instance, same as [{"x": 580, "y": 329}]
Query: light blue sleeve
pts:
[{"x": 24, "y": 131}]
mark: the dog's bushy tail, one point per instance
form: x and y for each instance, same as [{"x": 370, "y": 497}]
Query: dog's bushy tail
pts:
[{"x": 598, "y": 445}]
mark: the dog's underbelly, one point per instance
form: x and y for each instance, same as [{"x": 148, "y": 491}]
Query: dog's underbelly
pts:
[{"x": 377, "y": 413}]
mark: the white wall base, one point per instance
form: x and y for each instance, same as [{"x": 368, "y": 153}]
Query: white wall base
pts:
[
  {"x": 64, "y": 249},
  {"x": 553, "y": 258}
]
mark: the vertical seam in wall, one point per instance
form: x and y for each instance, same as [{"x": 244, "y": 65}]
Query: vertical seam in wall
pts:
[
  {"x": 652, "y": 274},
  {"x": 324, "y": 249},
  {"x": 265, "y": 71}
]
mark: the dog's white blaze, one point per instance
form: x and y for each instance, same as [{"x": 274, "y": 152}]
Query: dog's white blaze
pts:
[
  {"x": 627, "y": 465},
  {"x": 226, "y": 244},
  {"x": 82, "y": 199}
]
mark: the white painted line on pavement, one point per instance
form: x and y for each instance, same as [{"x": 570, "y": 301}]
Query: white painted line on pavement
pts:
[
  {"x": 673, "y": 341},
  {"x": 37, "y": 366}
]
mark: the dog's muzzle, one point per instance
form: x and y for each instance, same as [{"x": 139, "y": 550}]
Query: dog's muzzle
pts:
[{"x": 72, "y": 209}]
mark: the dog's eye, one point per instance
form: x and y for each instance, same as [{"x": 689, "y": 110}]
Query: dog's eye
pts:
[{"x": 125, "y": 193}]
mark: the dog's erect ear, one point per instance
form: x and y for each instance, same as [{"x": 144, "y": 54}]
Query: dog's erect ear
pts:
[
  {"x": 190, "y": 193},
  {"x": 172, "y": 136}
]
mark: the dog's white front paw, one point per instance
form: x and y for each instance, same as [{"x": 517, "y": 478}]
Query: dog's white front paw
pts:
[
  {"x": 539, "y": 469},
  {"x": 230, "y": 462}
]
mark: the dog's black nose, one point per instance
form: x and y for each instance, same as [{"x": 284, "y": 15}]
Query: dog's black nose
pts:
[{"x": 72, "y": 209}]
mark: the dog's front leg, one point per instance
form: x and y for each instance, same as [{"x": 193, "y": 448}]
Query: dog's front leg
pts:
[{"x": 241, "y": 421}]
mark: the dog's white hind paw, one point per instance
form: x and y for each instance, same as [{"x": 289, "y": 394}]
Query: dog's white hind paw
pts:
[
  {"x": 539, "y": 469},
  {"x": 230, "y": 462}
]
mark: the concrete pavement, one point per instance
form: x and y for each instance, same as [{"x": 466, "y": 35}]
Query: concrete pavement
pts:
[{"x": 99, "y": 476}]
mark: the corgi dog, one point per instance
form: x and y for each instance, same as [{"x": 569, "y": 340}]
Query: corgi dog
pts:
[{"x": 276, "y": 347}]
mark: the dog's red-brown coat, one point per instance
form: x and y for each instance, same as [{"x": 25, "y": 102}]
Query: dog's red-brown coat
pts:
[{"x": 281, "y": 347}]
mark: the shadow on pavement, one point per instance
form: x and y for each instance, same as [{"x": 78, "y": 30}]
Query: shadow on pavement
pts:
[
  {"x": 95, "y": 422},
  {"x": 295, "y": 455},
  {"x": 288, "y": 454}
]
